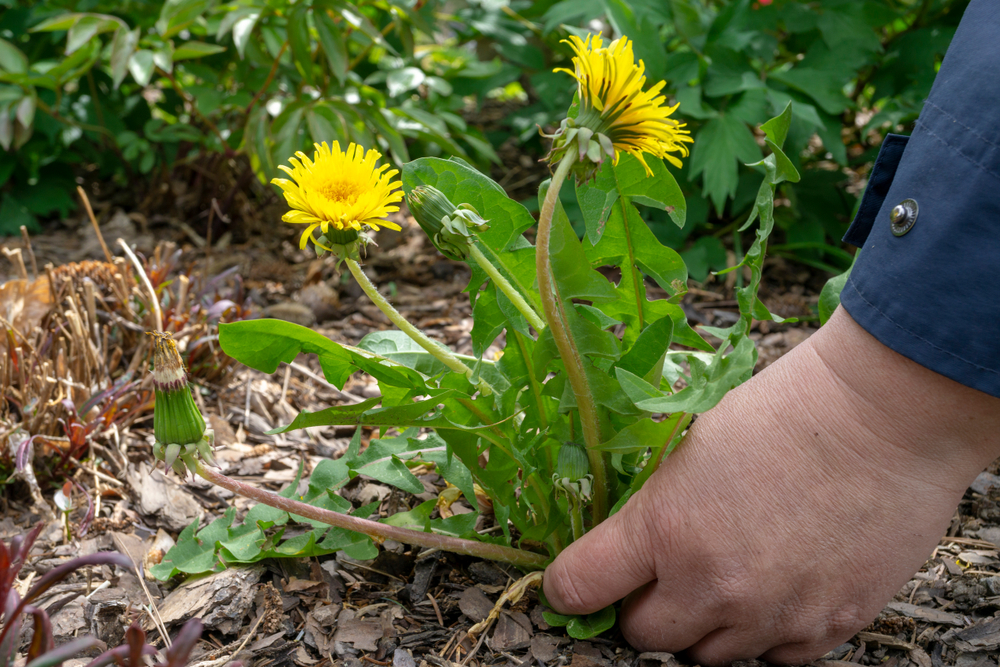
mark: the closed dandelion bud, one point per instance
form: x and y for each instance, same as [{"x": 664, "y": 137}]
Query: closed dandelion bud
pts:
[
  {"x": 449, "y": 227},
  {"x": 177, "y": 421},
  {"x": 572, "y": 463}
]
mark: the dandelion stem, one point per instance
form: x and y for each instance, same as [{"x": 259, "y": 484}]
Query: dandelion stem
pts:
[
  {"x": 537, "y": 323},
  {"x": 556, "y": 316},
  {"x": 442, "y": 354},
  {"x": 527, "y": 560}
]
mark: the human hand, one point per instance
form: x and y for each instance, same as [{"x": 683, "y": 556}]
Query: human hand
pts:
[{"x": 793, "y": 511}]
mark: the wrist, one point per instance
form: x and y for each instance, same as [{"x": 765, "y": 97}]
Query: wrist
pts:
[{"x": 906, "y": 404}]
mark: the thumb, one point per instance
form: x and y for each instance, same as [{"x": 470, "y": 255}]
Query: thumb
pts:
[{"x": 603, "y": 566}]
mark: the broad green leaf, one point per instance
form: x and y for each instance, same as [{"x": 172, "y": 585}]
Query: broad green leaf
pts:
[
  {"x": 57, "y": 23},
  {"x": 647, "y": 352},
  {"x": 404, "y": 80},
  {"x": 175, "y": 15},
  {"x": 140, "y": 65},
  {"x": 193, "y": 49},
  {"x": 298, "y": 38},
  {"x": 334, "y": 46},
  {"x": 573, "y": 275},
  {"x": 636, "y": 387},
  {"x": 628, "y": 181},
  {"x": 487, "y": 320},
  {"x": 86, "y": 28},
  {"x": 12, "y": 59},
  {"x": 639, "y": 436},
  {"x": 776, "y": 129},
  {"x": 122, "y": 47},
  {"x": 263, "y": 344},
  {"x": 583, "y": 627},
  {"x": 194, "y": 551},
  {"x": 408, "y": 414}
]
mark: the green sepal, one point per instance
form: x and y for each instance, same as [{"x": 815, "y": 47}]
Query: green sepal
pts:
[
  {"x": 341, "y": 236},
  {"x": 176, "y": 419}
]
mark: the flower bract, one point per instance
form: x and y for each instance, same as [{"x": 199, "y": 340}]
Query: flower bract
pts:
[
  {"x": 339, "y": 190},
  {"x": 615, "y": 112}
]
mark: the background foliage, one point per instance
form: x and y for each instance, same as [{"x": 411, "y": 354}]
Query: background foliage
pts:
[{"x": 130, "y": 90}]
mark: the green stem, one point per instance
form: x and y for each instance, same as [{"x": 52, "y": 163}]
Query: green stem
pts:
[
  {"x": 442, "y": 354},
  {"x": 556, "y": 317},
  {"x": 663, "y": 450},
  {"x": 504, "y": 286},
  {"x": 380, "y": 532},
  {"x": 576, "y": 517}
]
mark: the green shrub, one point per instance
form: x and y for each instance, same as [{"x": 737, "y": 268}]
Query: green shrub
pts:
[
  {"x": 135, "y": 88},
  {"x": 852, "y": 69}
]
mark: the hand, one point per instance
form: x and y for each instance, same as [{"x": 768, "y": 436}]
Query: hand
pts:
[{"x": 793, "y": 511}]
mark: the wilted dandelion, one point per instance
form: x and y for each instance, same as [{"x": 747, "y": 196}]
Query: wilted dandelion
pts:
[{"x": 339, "y": 191}]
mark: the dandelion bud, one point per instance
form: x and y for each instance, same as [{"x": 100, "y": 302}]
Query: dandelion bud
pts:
[
  {"x": 572, "y": 463},
  {"x": 449, "y": 227},
  {"x": 178, "y": 424}
]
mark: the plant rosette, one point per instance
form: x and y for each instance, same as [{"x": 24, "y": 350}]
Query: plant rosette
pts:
[{"x": 564, "y": 426}]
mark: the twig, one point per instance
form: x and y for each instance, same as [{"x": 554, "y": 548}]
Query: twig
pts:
[
  {"x": 93, "y": 221},
  {"x": 267, "y": 81},
  {"x": 154, "y": 613},
  {"x": 437, "y": 610},
  {"x": 31, "y": 251},
  {"x": 246, "y": 407},
  {"x": 154, "y": 303},
  {"x": 14, "y": 257},
  {"x": 96, "y": 473}
]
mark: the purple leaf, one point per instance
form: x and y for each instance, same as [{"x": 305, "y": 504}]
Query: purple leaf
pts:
[
  {"x": 184, "y": 643},
  {"x": 41, "y": 638},
  {"x": 65, "y": 652}
]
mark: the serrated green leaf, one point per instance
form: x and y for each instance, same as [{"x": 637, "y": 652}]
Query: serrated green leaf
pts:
[
  {"x": 829, "y": 297},
  {"x": 708, "y": 383},
  {"x": 719, "y": 146},
  {"x": 776, "y": 129}
]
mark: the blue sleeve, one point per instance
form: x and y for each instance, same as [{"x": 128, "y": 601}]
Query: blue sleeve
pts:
[{"x": 927, "y": 280}]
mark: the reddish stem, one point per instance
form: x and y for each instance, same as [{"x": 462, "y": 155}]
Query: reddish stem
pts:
[{"x": 526, "y": 560}]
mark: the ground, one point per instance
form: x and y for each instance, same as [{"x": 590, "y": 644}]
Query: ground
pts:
[{"x": 406, "y": 608}]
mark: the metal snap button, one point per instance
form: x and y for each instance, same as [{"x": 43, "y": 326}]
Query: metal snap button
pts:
[{"x": 903, "y": 216}]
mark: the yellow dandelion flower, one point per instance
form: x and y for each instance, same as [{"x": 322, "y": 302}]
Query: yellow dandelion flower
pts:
[
  {"x": 339, "y": 190},
  {"x": 614, "y": 104}
]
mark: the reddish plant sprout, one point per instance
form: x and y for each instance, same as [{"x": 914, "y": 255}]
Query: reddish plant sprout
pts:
[{"x": 42, "y": 651}]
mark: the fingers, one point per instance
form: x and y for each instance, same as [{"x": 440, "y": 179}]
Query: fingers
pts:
[
  {"x": 658, "y": 617},
  {"x": 604, "y": 566}
]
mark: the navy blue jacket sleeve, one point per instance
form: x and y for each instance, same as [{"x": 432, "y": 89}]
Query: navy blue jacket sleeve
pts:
[{"x": 933, "y": 293}]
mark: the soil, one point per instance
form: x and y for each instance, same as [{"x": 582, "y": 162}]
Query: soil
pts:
[{"x": 406, "y": 608}]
